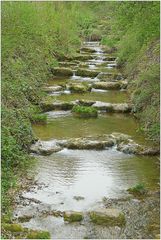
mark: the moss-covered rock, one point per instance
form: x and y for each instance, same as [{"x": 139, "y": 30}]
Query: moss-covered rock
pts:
[
  {"x": 79, "y": 88},
  {"x": 72, "y": 216},
  {"x": 58, "y": 71},
  {"x": 86, "y": 73},
  {"x": 38, "y": 235},
  {"x": 108, "y": 217},
  {"x": 14, "y": 227},
  {"x": 84, "y": 111},
  {"x": 50, "y": 105},
  {"x": 107, "y": 85},
  {"x": 110, "y": 76}
]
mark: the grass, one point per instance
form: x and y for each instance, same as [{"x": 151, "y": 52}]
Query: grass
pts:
[{"x": 84, "y": 112}]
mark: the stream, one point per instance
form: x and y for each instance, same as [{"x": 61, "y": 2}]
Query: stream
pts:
[{"x": 87, "y": 179}]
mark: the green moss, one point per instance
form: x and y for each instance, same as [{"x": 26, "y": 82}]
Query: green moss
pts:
[
  {"x": 83, "y": 111},
  {"x": 13, "y": 227},
  {"x": 73, "y": 217},
  {"x": 39, "y": 235}
]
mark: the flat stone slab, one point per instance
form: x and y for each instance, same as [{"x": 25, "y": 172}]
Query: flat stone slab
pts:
[{"x": 107, "y": 217}]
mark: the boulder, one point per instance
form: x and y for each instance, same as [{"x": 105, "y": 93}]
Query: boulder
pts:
[
  {"x": 79, "y": 88},
  {"x": 78, "y": 198},
  {"x": 108, "y": 217},
  {"x": 45, "y": 147},
  {"x": 72, "y": 216},
  {"x": 86, "y": 73},
  {"x": 60, "y": 71},
  {"x": 107, "y": 85}
]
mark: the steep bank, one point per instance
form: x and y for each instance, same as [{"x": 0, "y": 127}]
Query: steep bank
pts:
[{"x": 133, "y": 29}]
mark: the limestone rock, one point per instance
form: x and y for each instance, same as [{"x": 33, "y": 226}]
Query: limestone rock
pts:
[
  {"x": 107, "y": 217},
  {"x": 45, "y": 147}
]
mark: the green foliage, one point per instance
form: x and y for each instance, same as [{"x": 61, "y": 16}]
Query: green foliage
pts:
[
  {"x": 39, "y": 118},
  {"x": 139, "y": 189},
  {"x": 83, "y": 111},
  {"x": 135, "y": 29}
]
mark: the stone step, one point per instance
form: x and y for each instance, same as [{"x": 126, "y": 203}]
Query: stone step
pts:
[{"x": 123, "y": 143}]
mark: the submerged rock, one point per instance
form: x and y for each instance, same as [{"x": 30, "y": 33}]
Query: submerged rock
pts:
[
  {"x": 72, "y": 216},
  {"x": 78, "y": 198},
  {"x": 58, "y": 71},
  {"x": 45, "y": 147},
  {"x": 108, "y": 217},
  {"x": 86, "y": 73}
]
